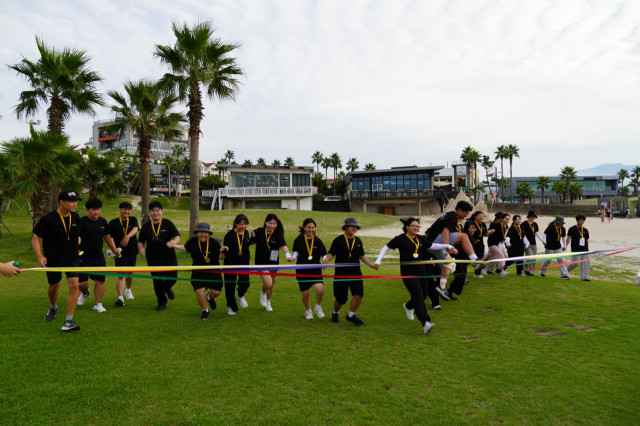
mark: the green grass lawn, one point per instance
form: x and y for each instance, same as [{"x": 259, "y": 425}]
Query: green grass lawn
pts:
[{"x": 511, "y": 350}]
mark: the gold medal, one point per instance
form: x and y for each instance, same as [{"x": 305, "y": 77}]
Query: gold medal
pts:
[
  {"x": 415, "y": 255},
  {"x": 310, "y": 257},
  {"x": 239, "y": 253}
]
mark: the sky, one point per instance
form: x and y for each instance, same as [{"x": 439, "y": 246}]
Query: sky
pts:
[{"x": 393, "y": 83}]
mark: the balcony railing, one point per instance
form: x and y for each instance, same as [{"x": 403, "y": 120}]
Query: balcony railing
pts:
[
  {"x": 294, "y": 191},
  {"x": 398, "y": 195}
]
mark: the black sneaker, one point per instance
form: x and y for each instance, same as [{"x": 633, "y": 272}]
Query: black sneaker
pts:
[
  {"x": 564, "y": 277},
  {"x": 543, "y": 275},
  {"x": 51, "y": 314},
  {"x": 529, "y": 274},
  {"x": 354, "y": 319},
  {"x": 204, "y": 315},
  {"x": 451, "y": 296},
  {"x": 212, "y": 303},
  {"x": 442, "y": 292},
  {"x": 335, "y": 317},
  {"x": 161, "y": 307},
  {"x": 490, "y": 273},
  {"x": 119, "y": 302},
  {"x": 170, "y": 294},
  {"x": 70, "y": 325},
  {"x": 436, "y": 308},
  {"x": 586, "y": 279}
]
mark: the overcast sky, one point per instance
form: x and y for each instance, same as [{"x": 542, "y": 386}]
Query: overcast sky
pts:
[{"x": 393, "y": 83}]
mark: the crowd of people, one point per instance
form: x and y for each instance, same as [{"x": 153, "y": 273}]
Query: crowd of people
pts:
[{"x": 63, "y": 239}]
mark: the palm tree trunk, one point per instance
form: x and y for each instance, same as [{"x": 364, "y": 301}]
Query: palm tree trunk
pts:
[
  {"x": 511, "y": 179},
  {"x": 169, "y": 178},
  {"x": 195, "y": 117},
  {"x": 145, "y": 148},
  {"x": 39, "y": 205}
]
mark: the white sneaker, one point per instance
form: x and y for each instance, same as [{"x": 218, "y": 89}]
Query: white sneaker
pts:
[
  {"x": 504, "y": 273},
  {"x": 127, "y": 294},
  {"x": 408, "y": 311},
  {"x": 483, "y": 272},
  {"x": 318, "y": 310},
  {"x": 428, "y": 326},
  {"x": 99, "y": 308},
  {"x": 268, "y": 307},
  {"x": 243, "y": 303},
  {"x": 263, "y": 299},
  {"x": 230, "y": 311},
  {"x": 83, "y": 297},
  {"x": 478, "y": 276},
  {"x": 308, "y": 314}
]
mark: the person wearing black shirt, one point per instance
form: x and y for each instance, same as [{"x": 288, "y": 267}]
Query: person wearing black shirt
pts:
[
  {"x": 531, "y": 232},
  {"x": 93, "y": 230},
  {"x": 515, "y": 243},
  {"x": 56, "y": 235},
  {"x": 123, "y": 230},
  {"x": 414, "y": 248},
  {"x": 204, "y": 251},
  {"x": 269, "y": 241},
  {"x": 554, "y": 242},
  {"x": 309, "y": 249},
  {"x": 477, "y": 240},
  {"x": 497, "y": 235},
  {"x": 236, "y": 252},
  {"x": 161, "y": 237},
  {"x": 578, "y": 238},
  {"x": 347, "y": 248}
]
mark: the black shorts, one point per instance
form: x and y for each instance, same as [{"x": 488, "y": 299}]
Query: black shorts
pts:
[
  {"x": 305, "y": 283},
  {"x": 54, "y": 278},
  {"x": 341, "y": 290},
  {"x": 92, "y": 261},
  {"x": 126, "y": 260},
  {"x": 210, "y": 280}
]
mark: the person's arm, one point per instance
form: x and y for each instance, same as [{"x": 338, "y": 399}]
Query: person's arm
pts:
[
  {"x": 328, "y": 258},
  {"x": 36, "y": 246},
  {"x": 173, "y": 241},
  {"x": 9, "y": 269},
  {"x": 445, "y": 235},
  {"x": 141, "y": 249},
  {"x": 383, "y": 252},
  {"x": 125, "y": 240},
  {"x": 367, "y": 262},
  {"x": 111, "y": 244},
  {"x": 180, "y": 247},
  {"x": 568, "y": 241}
]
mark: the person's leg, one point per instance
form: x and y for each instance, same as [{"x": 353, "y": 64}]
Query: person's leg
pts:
[
  {"x": 243, "y": 284},
  {"x": 98, "y": 291},
  {"x": 159, "y": 289},
  {"x": 561, "y": 264},
  {"x": 269, "y": 292},
  {"x": 575, "y": 261},
  {"x": 52, "y": 293},
  {"x": 202, "y": 300},
  {"x": 267, "y": 285},
  {"x": 306, "y": 297},
  {"x": 414, "y": 288},
  {"x": 546, "y": 263},
  {"x": 340, "y": 294},
  {"x": 319, "y": 289},
  {"x": 169, "y": 283},
  {"x": 120, "y": 284},
  {"x": 585, "y": 267},
  {"x": 72, "y": 298},
  {"x": 462, "y": 239},
  {"x": 83, "y": 286},
  {"x": 357, "y": 293},
  {"x": 457, "y": 284},
  {"x": 230, "y": 291}
]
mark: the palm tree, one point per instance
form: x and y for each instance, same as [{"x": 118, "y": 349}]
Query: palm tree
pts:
[
  {"x": 567, "y": 174},
  {"x": 317, "y": 158},
  {"x": 276, "y": 163},
  {"x": 169, "y": 163},
  {"x": 229, "y": 156},
  {"x": 635, "y": 182},
  {"x": 197, "y": 60},
  {"x": 512, "y": 151},
  {"x": 559, "y": 188},
  {"x": 636, "y": 176},
  {"x": 523, "y": 190},
  {"x": 288, "y": 162},
  {"x": 7, "y": 169},
  {"x": 336, "y": 163},
  {"x": 369, "y": 166},
  {"x": 146, "y": 110},
  {"x": 622, "y": 175},
  {"x": 60, "y": 80},
  {"x": 261, "y": 162},
  {"x": 501, "y": 153},
  {"x": 471, "y": 157},
  {"x": 37, "y": 161},
  {"x": 102, "y": 173},
  {"x": 326, "y": 163},
  {"x": 352, "y": 164},
  {"x": 247, "y": 163},
  {"x": 575, "y": 190},
  {"x": 543, "y": 183},
  {"x": 486, "y": 162}
]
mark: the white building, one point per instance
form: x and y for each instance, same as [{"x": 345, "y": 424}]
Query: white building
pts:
[{"x": 266, "y": 187}]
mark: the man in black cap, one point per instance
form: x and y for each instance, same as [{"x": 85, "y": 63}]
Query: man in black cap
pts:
[
  {"x": 123, "y": 230},
  {"x": 554, "y": 240},
  {"x": 531, "y": 232},
  {"x": 347, "y": 248},
  {"x": 56, "y": 235}
]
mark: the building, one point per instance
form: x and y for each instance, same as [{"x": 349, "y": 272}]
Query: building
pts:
[
  {"x": 399, "y": 190},
  {"x": 268, "y": 187},
  {"x": 104, "y": 141},
  {"x": 592, "y": 187},
  {"x": 207, "y": 169}
]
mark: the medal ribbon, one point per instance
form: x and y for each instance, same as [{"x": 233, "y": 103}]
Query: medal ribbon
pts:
[
  {"x": 581, "y": 231},
  {"x": 309, "y": 248},
  {"x": 352, "y": 245},
  {"x": 416, "y": 242},
  {"x": 267, "y": 236},
  {"x": 206, "y": 252},
  {"x": 559, "y": 232},
  {"x": 154, "y": 229},
  {"x": 126, "y": 230},
  {"x": 519, "y": 231},
  {"x": 66, "y": 231},
  {"x": 479, "y": 226},
  {"x": 240, "y": 242}
]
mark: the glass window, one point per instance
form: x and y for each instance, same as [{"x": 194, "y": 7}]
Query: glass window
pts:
[
  {"x": 285, "y": 180},
  {"x": 300, "y": 180}
]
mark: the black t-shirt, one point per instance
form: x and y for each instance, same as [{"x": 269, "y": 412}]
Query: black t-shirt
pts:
[
  {"x": 530, "y": 233},
  {"x": 477, "y": 238},
  {"x": 197, "y": 250},
  {"x": 264, "y": 249},
  {"x": 554, "y": 237},
  {"x": 575, "y": 235},
  {"x": 117, "y": 232},
  {"x": 516, "y": 237},
  {"x": 448, "y": 220},
  {"x": 407, "y": 249},
  {"x": 92, "y": 234},
  {"x": 342, "y": 254},
  {"x": 318, "y": 250},
  {"x": 55, "y": 244},
  {"x": 157, "y": 245},
  {"x": 498, "y": 235},
  {"x": 236, "y": 256}
]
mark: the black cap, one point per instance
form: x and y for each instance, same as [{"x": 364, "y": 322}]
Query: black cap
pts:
[
  {"x": 559, "y": 220},
  {"x": 125, "y": 205},
  {"x": 532, "y": 214},
  {"x": 350, "y": 221},
  {"x": 203, "y": 227},
  {"x": 68, "y": 196}
]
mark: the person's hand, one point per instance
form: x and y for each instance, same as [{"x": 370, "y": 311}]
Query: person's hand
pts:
[
  {"x": 376, "y": 266},
  {"x": 171, "y": 244},
  {"x": 9, "y": 269},
  {"x": 224, "y": 248},
  {"x": 42, "y": 262},
  {"x": 125, "y": 241},
  {"x": 290, "y": 259},
  {"x": 508, "y": 245},
  {"x": 119, "y": 251},
  {"x": 452, "y": 250},
  {"x": 253, "y": 233},
  {"x": 142, "y": 252},
  {"x": 564, "y": 248}
]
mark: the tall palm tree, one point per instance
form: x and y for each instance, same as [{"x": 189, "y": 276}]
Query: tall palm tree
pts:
[
  {"x": 559, "y": 188},
  {"x": 37, "y": 161},
  {"x": 352, "y": 164},
  {"x": 512, "y": 151},
  {"x": 62, "y": 82},
  {"x": 289, "y": 162},
  {"x": 622, "y": 175},
  {"x": 471, "y": 157},
  {"x": 326, "y": 163},
  {"x": 369, "y": 166},
  {"x": 523, "y": 190},
  {"x": 198, "y": 61},
  {"x": 567, "y": 174},
  {"x": 636, "y": 176},
  {"x": 102, "y": 173},
  {"x": 317, "y": 158},
  {"x": 487, "y": 163},
  {"x": 169, "y": 163},
  {"x": 543, "y": 183},
  {"x": 501, "y": 153},
  {"x": 575, "y": 190},
  {"x": 229, "y": 156},
  {"x": 336, "y": 163},
  {"x": 146, "y": 110}
]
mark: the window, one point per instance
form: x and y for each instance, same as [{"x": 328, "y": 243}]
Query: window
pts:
[
  {"x": 285, "y": 180},
  {"x": 300, "y": 180}
]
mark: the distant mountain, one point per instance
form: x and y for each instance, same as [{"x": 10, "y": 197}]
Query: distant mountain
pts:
[{"x": 604, "y": 170}]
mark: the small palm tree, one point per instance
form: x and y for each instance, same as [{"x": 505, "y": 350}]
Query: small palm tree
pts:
[
  {"x": 352, "y": 164},
  {"x": 575, "y": 190},
  {"x": 568, "y": 174},
  {"x": 622, "y": 175},
  {"x": 636, "y": 178},
  {"x": 559, "y": 188},
  {"x": 247, "y": 163},
  {"x": 102, "y": 173},
  {"x": 471, "y": 157},
  {"x": 317, "y": 158},
  {"x": 487, "y": 163},
  {"x": 261, "y": 162},
  {"x": 543, "y": 183},
  {"x": 198, "y": 60},
  {"x": 523, "y": 190},
  {"x": 288, "y": 162},
  {"x": 369, "y": 166},
  {"x": 276, "y": 163},
  {"x": 169, "y": 163},
  {"x": 336, "y": 163},
  {"x": 501, "y": 153},
  {"x": 146, "y": 110}
]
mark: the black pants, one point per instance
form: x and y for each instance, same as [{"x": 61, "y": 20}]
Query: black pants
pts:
[
  {"x": 418, "y": 289},
  {"x": 515, "y": 252},
  {"x": 433, "y": 271},
  {"x": 162, "y": 286},
  {"x": 459, "y": 273},
  {"x": 230, "y": 281}
]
